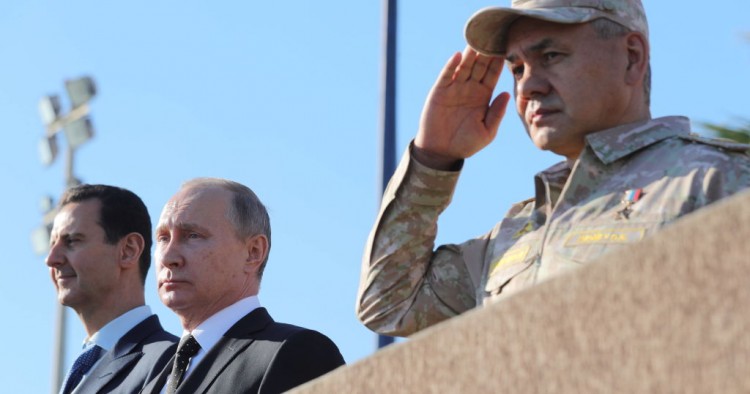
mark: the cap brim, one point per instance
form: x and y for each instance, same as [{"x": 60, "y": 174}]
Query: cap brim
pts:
[{"x": 486, "y": 31}]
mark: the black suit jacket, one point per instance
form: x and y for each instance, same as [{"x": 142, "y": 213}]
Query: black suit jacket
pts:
[
  {"x": 135, "y": 360},
  {"x": 258, "y": 355}
]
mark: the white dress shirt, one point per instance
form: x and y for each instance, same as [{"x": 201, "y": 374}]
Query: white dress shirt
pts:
[
  {"x": 107, "y": 337},
  {"x": 210, "y": 331}
]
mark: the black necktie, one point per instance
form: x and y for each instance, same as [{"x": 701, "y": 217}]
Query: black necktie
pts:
[
  {"x": 187, "y": 348},
  {"x": 82, "y": 365}
]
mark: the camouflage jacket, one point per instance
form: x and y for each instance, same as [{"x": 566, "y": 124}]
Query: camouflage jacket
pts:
[{"x": 629, "y": 182}]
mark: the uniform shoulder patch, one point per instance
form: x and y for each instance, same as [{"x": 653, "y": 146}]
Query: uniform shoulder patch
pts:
[{"x": 721, "y": 143}]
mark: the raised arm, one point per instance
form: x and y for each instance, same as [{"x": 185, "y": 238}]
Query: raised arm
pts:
[
  {"x": 407, "y": 284},
  {"x": 459, "y": 118}
]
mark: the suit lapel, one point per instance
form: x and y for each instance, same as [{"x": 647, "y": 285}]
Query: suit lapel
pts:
[
  {"x": 155, "y": 386},
  {"x": 235, "y": 341},
  {"x": 119, "y": 358},
  {"x": 106, "y": 371}
]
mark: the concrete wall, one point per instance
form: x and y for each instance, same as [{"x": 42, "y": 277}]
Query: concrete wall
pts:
[{"x": 668, "y": 315}]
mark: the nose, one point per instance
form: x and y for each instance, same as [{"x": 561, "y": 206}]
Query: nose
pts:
[
  {"x": 168, "y": 254},
  {"x": 532, "y": 83},
  {"x": 55, "y": 257}
]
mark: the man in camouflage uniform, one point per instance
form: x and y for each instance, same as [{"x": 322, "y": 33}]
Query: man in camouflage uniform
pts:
[{"x": 582, "y": 80}]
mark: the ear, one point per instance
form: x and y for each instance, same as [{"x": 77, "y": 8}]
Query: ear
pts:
[
  {"x": 131, "y": 248},
  {"x": 257, "y": 250},
  {"x": 638, "y": 58}
]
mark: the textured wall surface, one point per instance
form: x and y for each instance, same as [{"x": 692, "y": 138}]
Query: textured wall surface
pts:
[{"x": 670, "y": 314}]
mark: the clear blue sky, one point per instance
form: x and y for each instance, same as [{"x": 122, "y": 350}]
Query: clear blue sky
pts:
[{"x": 282, "y": 96}]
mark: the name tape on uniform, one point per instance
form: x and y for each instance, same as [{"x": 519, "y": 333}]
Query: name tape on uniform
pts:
[{"x": 605, "y": 236}]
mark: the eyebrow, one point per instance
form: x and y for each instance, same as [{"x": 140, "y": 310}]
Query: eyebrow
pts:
[
  {"x": 538, "y": 47},
  {"x": 183, "y": 226},
  {"x": 64, "y": 236}
]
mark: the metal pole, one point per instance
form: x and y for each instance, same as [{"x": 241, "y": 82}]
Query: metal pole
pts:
[
  {"x": 59, "y": 357},
  {"x": 58, "y": 370},
  {"x": 388, "y": 115},
  {"x": 70, "y": 179},
  {"x": 80, "y": 91}
]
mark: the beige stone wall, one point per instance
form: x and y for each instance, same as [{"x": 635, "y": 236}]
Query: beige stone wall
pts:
[{"x": 668, "y": 315}]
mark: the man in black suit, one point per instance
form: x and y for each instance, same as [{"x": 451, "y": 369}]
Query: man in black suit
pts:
[
  {"x": 100, "y": 253},
  {"x": 213, "y": 240}
]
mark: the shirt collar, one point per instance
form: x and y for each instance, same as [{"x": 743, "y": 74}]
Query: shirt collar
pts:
[
  {"x": 210, "y": 331},
  {"x": 107, "y": 336},
  {"x": 613, "y": 144}
]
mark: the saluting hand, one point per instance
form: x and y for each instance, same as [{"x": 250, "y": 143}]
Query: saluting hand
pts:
[{"x": 458, "y": 119}]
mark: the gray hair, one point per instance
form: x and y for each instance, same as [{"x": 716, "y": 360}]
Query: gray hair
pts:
[
  {"x": 607, "y": 29},
  {"x": 246, "y": 213}
]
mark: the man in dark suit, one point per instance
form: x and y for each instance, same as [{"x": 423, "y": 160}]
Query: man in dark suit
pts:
[
  {"x": 213, "y": 240},
  {"x": 99, "y": 257}
]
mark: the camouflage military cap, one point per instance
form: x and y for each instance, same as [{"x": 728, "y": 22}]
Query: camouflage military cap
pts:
[{"x": 487, "y": 29}]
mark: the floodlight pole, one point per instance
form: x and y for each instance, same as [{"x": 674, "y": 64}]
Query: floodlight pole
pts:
[
  {"x": 58, "y": 359},
  {"x": 58, "y": 373},
  {"x": 388, "y": 114},
  {"x": 80, "y": 91}
]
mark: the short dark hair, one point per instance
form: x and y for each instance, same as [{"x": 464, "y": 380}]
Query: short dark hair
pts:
[
  {"x": 246, "y": 212},
  {"x": 122, "y": 212}
]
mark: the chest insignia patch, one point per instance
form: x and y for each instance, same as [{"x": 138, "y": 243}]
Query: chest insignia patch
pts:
[{"x": 631, "y": 197}]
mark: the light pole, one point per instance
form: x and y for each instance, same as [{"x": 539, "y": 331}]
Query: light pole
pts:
[
  {"x": 77, "y": 129},
  {"x": 388, "y": 114}
]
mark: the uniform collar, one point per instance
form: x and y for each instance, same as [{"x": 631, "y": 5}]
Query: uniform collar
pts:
[{"x": 613, "y": 144}]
